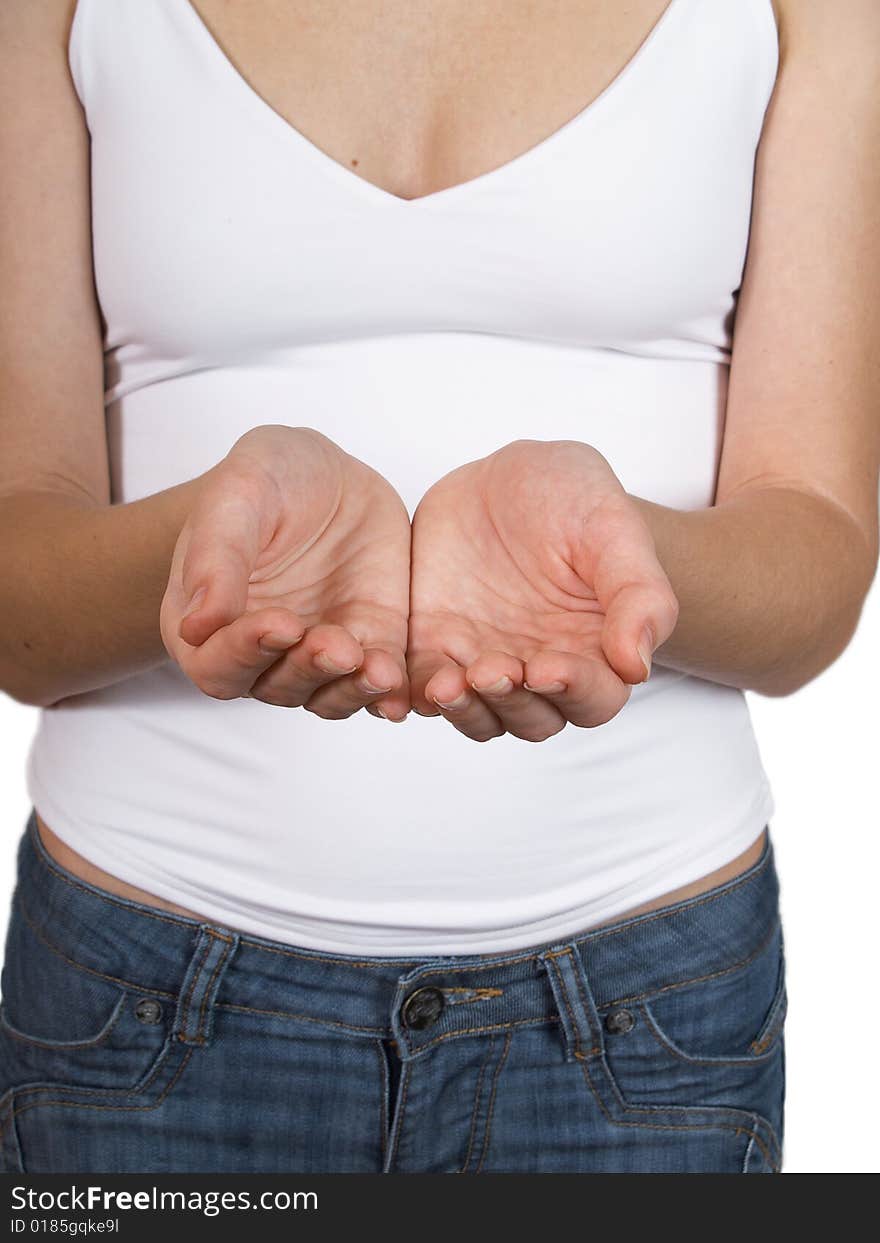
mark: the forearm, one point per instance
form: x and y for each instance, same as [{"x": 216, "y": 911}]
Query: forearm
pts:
[
  {"x": 770, "y": 585},
  {"x": 80, "y": 589}
]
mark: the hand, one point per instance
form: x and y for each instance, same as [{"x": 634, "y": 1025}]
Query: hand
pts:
[
  {"x": 290, "y": 579},
  {"x": 536, "y": 594}
]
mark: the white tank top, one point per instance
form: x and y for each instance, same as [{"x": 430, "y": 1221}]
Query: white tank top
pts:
[{"x": 584, "y": 290}]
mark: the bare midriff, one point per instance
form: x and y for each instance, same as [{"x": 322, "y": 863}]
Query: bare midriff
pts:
[{"x": 74, "y": 862}]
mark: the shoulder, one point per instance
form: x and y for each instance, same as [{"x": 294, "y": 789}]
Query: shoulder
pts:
[
  {"x": 35, "y": 79},
  {"x": 830, "y": 33},
  {"x": 28, "y": 29}
]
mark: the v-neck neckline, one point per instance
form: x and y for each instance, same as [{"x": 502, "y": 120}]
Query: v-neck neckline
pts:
[{"x": 267, "y": 114}]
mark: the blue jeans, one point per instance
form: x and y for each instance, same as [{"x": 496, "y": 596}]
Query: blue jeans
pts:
[{"x": 134, "y": 1040}]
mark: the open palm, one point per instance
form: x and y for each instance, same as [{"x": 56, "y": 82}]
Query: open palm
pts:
[
  {"x": 536, "y": 596},
  {"x": 290, "y": 579}
]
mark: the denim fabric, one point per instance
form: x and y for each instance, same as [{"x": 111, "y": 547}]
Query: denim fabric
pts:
[{"x": 133, "y": 1040}]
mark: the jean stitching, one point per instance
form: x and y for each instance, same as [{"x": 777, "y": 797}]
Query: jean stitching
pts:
[
  {"x": 477, "y": 1096},
  {"x": 62, "y": 1046},
  {"x": 142, "y": 988},
  {"x": 48, "y": 862},
  {"x": 385, "y": 1031},
  {"x": 101, "y": 975},
  {"x": 383, "y": 1099},
  {"x": 91, "y": 1105},
  {"x": 761, "y": 1046},
  {"x": 187, "y": 921},
  {"x": 567, "y": 1001},
  {"x": 134, "y": 1091},
  {"x": 206, "y": 949},
  {"x": 398, "y": 1121},
  {"x": 774, "y": 1021},
  {"x": 487, "y": 1134},
  {"x": 754, "y": 1138},
  {"x": 666, "y": 1044},
  {"x": 749, "y": 1147},
  {"x": 585, "y": 1006},
  {"x": 305, "y": 1018},
  {"x": 342, "y": 962},
  {"x": 6, "y": 1119},
  {"x": 218, "y": 965},
  {"x": 482, "y": 966},
  {"x": 471, "y": 995},
  {"x": 636, "y": 921},
  {"x": 696, "y": 979},
  {"x": 491, "y": 1027},
  {"x": 47, "y": 1089},
  {"x": 677, "y": 1126},
  {"x": 676, "y": 908},
  {"x": 737, "y": 1116}
]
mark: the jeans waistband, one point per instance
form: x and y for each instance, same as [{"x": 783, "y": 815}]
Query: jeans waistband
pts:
[{"x": 419, "y": 1002}]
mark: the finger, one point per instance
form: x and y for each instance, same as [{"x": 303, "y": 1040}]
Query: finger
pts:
[
  {"x": 224, "y": 541},
  {"x": 421, "y": 667},
  {"x": 325, "y": 653},
  {"x": 377, "y": 682},
  {"x": 226, "y": 665},
  {"x": 632, "y": 587},
  {"x": 585, "y": 690},
  {"x": 638, "y": 619},
  {"x": 497, "y": 678},
  {"x": 461, "y": 706}
]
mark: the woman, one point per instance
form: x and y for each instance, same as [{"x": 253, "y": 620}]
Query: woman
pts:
[{"x": 412, "y": 327}]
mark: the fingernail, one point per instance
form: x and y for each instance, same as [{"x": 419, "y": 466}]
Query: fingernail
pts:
[
  {"x": 458, "y": 702},
  {"x": 645, "y": 649},
  {"x": 497, "y": 688},
  {"x": 395, "y": 720},
  {"x": 374, "y": 690},
  {"x": 551, "y": 688},
  {"x": 271, "y": 644},
  {"x": 323, "y": 661},
  {"x": 195, "y": 600}
]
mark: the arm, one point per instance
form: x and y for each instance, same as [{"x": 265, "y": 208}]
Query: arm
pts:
[
  {"x": 299, "y": 551},
  {"x": 80, "y": 580},
  {"x": 527, "y": 616},
  {"x": 771, "y": 580},
  {"x": 770, "y": 585},
  {"x": 80, "y": 589}
]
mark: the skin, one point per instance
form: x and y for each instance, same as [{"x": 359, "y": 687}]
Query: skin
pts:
[
  {"x": 537, "y": 596},
  {"x": 290, "y": 579},
  {"x": 762, "y": 591}
]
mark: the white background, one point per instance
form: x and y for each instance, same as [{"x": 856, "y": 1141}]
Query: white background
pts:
[{"x": 821, "y": 752}]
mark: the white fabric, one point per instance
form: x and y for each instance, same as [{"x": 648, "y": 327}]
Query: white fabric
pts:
[{"x": 584, "y": 290}]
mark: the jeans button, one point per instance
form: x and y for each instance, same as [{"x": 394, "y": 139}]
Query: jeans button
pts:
[
  {"x": 423, "y": 1008},
  {"x": 148, "y": 1010},
  {"x": 619, "y": 1022}
]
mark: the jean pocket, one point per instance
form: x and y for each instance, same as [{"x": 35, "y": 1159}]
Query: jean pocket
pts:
[
  {"x": 734, "y": 1016},
  {"x": 705, "y": 1053},
  {"x": 65, "y": 1025}
]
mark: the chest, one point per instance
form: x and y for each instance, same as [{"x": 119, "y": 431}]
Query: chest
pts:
[
  {"x": 416, "y": 97},
  {"x": 225, "y": 225}
]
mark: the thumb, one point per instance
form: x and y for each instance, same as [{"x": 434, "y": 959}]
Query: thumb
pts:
[
  {"x": 224, "y": 541},
  {"x": 641, "y": 610},
  {"x": 640, "y": 617}
]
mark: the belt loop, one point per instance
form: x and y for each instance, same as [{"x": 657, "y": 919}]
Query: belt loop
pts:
[
  {"x": 195, "y": 1006},
  {"x": 574, "y": 1003}
]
